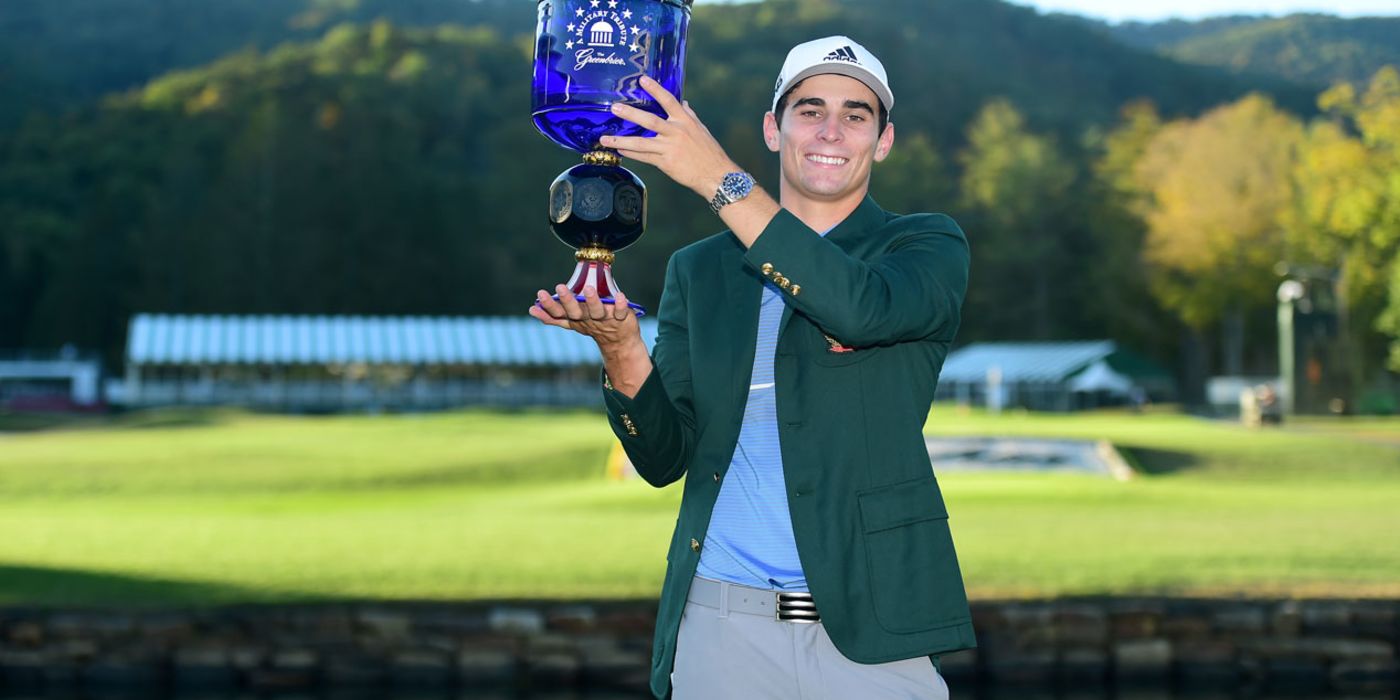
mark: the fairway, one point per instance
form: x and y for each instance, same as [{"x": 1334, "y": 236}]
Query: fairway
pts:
[{"x": 217, "y": 507}]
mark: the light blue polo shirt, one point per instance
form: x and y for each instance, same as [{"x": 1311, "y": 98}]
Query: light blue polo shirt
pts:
[{"x": 750, "y": 540}]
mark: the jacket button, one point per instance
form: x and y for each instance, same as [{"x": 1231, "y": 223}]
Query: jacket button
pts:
[
  {"x": 767, "y": 268},
  {"x": 694, "y": 545},
  {"x": 795, "y": 289},
  {"x": 716, "y": 477}
]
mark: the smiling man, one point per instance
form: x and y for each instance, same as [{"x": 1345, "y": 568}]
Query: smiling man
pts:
[{"x": 796, "y": 359}]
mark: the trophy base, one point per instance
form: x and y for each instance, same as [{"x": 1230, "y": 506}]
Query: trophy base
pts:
[
  {"x": 596, "y": 274},
  {"x": 641, "y": 310}
]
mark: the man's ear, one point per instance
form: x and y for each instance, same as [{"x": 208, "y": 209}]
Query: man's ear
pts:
[
  {"x": 886, "y": 142},
  {"x": 771, "y": 137}
]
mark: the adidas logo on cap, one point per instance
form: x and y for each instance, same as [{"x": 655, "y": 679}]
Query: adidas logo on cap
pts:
[
  {"x": 845, "y": 53},
  {"x": 838, "y": 55}
]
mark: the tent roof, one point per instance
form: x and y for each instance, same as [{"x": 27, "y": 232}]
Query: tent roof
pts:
[
  {"x": 1100, "y": 377},
  {"x": 156, "y": 339},
  {"x": 1024, "y": 362}
]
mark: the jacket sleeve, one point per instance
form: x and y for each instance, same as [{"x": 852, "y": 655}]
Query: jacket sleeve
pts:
[
  {"x": 657, "y": 426},
  {"x": 914, "y": 290}
]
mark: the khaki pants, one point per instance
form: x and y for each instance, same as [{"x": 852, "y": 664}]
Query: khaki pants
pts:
[{"x": 726, "y": 654}]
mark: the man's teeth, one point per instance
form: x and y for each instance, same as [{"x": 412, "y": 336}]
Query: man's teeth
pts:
[{"x": 826, "y": 160}]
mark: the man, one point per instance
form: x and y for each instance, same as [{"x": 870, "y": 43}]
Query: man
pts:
[{"x": 796, "y": 359}]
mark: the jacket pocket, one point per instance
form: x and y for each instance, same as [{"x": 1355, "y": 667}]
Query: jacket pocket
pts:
[{"x": 915, "y": 582}]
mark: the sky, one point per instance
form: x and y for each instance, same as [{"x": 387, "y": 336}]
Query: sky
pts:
[
  {"x": 1152, "y": 10},
  {"x": 1156, "y": 10}
]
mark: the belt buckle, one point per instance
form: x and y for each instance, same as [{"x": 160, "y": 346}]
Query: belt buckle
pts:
[{"x": 797, "y": 608}]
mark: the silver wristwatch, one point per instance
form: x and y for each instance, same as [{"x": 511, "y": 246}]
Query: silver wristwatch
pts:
[{"x": 734, "y": 187}]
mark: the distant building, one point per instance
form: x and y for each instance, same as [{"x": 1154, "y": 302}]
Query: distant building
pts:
[
  {"x": 1052, "y": 376},
  {"x": 58, "y": 381},
  {"x": 336, "y": 363}
]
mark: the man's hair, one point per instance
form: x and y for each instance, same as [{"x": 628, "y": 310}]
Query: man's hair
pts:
[{"x": 884, "y": 114}]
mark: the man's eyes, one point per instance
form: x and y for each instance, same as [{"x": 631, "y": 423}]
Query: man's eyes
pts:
[{"x": 812, "y": 114}]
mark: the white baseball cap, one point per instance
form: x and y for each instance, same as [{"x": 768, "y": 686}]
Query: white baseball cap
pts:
[{"x": 834, "y": 54}]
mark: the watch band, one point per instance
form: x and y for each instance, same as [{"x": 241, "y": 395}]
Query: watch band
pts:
[{"x": 718, "y": 201}]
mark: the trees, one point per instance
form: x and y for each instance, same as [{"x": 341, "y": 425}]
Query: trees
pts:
[
  {"x": 1017, "y": 181},
  {"x": 1114, "y": 205},
  {"x": 384, "y": 169},
  {"x": 1216, "y": 186},
  {"x": 1348, "y": 211}
]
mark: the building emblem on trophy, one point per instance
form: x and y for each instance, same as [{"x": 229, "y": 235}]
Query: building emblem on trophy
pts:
[{"x": 600, "y": 34}]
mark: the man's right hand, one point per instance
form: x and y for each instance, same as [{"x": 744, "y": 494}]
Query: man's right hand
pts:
[{"x": 613, "y": 327}]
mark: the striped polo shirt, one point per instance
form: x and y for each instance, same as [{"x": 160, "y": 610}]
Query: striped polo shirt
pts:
[{"x": 750, "y": 540}]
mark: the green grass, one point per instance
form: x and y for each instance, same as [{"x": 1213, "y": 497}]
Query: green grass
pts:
[
  {"x": 219, "y": 507},
  {"x": 1218, "y": 509}
]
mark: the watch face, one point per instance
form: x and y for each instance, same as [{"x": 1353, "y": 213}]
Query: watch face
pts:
[{"x": 737, "y": 185}]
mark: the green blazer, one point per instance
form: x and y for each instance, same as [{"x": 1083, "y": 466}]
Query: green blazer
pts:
[{"x": 869, "y": 520}]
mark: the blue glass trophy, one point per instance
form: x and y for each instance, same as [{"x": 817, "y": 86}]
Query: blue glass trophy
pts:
[{"x": 588, "y": 55}]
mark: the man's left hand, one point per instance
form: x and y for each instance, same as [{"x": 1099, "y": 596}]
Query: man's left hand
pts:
[{"x": 682, "y": 148}]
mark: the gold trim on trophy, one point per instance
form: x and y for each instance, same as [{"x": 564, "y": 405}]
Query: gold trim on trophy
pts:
[
  {"x": 603, "y": 156},
  {"x": 594, "y": 254}
]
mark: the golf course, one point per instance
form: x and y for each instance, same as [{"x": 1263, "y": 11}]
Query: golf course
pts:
[{"x": 217, "y": 507}]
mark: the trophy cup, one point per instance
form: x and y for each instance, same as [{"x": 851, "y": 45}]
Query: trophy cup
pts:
[{"x": 588, "y": 55}]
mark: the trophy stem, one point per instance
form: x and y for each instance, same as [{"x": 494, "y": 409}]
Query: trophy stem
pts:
[
  {"x": 603, "y": 156},
  {"x": 594, "y": 269}
]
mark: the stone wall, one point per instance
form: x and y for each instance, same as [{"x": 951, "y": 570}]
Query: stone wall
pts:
[
  {"x": 1308, "y": 646},
  {"x": 1305, "y": 647}
]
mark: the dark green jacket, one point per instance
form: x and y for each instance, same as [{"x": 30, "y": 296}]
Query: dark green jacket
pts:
[{"x": 870, "y": 523}]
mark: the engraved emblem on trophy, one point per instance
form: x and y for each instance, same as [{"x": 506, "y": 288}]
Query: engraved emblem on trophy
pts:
[{"x": 588, "y": 55}]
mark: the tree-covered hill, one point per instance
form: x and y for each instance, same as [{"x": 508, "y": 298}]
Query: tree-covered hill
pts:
[
  {"x": 1310, "y": 49},
  {"x": 55, "y": 53},
  {"x": 390, "y": 167}
]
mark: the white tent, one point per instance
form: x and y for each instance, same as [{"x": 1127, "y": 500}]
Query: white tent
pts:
[{"x": 1100, "y": 377}]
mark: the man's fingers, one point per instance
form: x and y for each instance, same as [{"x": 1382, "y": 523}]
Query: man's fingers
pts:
[
  {"x": 549, "y": 305},
  {"x": 593, "y": 306},
  {"x": 641, "y": 156},
  {"x": 636, "y": 144},
  {"x": 620, "y": 309},
  {"x": 640, "y": 117},
  {"x": 548, "y": 320},
  {"x": 662, "y": 96},
  {"x": 570, "y": 304}
]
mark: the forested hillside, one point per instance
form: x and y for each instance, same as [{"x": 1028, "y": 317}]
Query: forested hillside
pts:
[
  {"x": 1314, "y": 50},
  {"x": 252, "y": 156},
  {"x": 392, "y": 170},
  {"x": 55, "y": 53}
]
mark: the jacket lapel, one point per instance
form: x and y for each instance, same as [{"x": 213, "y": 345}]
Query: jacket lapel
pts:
[
  {"x": 782, "y": 325},
  {"x": 742, "y": 292}
]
